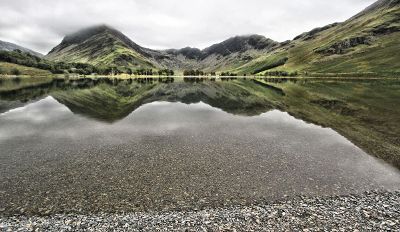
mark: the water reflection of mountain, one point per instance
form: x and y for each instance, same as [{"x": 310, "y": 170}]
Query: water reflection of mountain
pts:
[{"x": 112, "y": 100}]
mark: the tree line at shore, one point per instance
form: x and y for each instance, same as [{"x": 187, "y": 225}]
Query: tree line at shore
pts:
[{"x": 202, "y": 73}]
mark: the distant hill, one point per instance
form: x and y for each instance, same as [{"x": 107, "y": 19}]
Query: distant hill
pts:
[
  {"x": 6, "y": 46},
  {"x": 239, "y": 44}
]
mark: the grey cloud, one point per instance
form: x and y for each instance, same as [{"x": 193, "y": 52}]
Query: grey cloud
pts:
[{"x": 40, "y": 25}]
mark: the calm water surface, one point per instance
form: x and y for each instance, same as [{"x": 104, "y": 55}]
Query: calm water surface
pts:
[{"x": 62, "y": 155}]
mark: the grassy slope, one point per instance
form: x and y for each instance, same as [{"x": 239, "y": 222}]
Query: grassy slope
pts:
[
  {"x": 229, "y": 62},
  {"x": 260, "y": 63},
  {"x": 381, "y": 56},
  {"x": 7, "y": 67}
]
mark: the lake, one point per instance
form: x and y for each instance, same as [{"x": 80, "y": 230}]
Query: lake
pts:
[{"x": 108, "y": 145}]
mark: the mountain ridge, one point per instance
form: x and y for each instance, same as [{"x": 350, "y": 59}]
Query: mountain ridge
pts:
[
  {"x": 7, "y": 46},
  {"x": 378, "y": 5}
]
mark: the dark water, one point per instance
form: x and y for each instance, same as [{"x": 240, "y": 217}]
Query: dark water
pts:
[{"x": 92, "y": 147}]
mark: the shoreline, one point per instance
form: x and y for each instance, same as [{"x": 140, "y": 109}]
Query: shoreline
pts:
[
  {"x": 250, "y": 77},
  {"x": 372, "y": 210}
]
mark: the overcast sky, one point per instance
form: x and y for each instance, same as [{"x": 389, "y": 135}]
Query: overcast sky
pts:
[{"x": 41, "y": 24}]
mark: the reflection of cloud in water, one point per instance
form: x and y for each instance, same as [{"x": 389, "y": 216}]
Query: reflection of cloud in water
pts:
[
  {"x": 30, "y": 120},
  {"x": 39, "y": 111}
]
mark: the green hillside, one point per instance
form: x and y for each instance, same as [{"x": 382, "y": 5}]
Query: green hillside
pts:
[
  {"x": 16, "y": 69},
  {"x": 366, "y": 43}
]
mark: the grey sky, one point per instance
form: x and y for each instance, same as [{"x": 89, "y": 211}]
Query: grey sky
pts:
[{"x": 41, "y": 24}]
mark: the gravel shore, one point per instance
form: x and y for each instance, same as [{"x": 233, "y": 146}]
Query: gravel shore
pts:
[{"x": 373, "y": 211}]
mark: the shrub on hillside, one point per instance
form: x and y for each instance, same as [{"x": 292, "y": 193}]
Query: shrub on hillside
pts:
[
  {"x": 15, "y": 72},
  {"x": 271, "y": 65}
]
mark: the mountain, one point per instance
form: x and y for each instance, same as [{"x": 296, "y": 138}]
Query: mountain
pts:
[
  {"x": 366, "y": 43},
  {"x": 228, "y": 54},
  {"x": 369, "y": 42},
  {"x": 104, "y": 45},
  {"x": 240, "y": 44},
  {"x": 187, "y": 52},
  {"x": 6, "y": 46},
  {"x": 101, "y": 45}
]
